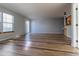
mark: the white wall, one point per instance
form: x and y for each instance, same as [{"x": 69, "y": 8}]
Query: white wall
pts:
[
  {"x": 69, "y": 31},
  {"x": 19, "y": 25},
  {"x": 54, "y": 25}
]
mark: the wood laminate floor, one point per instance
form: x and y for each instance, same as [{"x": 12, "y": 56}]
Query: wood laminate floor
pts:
[{"x": 38, "y": 45}]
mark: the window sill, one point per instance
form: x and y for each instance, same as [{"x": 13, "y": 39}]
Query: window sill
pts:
[{"x": 6, "y": 32}]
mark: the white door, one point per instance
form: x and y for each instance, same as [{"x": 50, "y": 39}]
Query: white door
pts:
[
  {"x": 74, "y": 25},
  {"x": 76, "y": 22},
  {"x": 78, "y": 25}
]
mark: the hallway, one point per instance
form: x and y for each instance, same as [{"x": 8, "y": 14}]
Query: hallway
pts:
[{"x": 38, "y": 45}]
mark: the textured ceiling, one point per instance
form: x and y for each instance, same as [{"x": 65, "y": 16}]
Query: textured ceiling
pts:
[{"x": 38, "y": 10}]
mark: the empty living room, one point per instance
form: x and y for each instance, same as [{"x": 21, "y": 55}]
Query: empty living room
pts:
[{"x": 39, "y": 29}]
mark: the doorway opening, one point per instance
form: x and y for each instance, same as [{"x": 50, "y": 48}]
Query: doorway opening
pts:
[{"x": 27, "y": 26}]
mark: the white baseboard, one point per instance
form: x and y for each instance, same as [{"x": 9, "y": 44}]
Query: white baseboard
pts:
[{"x": 46, "y": 33}]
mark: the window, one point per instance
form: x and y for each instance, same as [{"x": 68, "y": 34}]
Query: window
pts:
[{"x": 7, "y": 22}]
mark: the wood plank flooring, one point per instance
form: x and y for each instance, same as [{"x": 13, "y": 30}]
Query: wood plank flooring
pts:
[{"x": 38, "y": 45}]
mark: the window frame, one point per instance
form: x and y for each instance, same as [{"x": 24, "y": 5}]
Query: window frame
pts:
[{"x": 7, "y": 22}]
